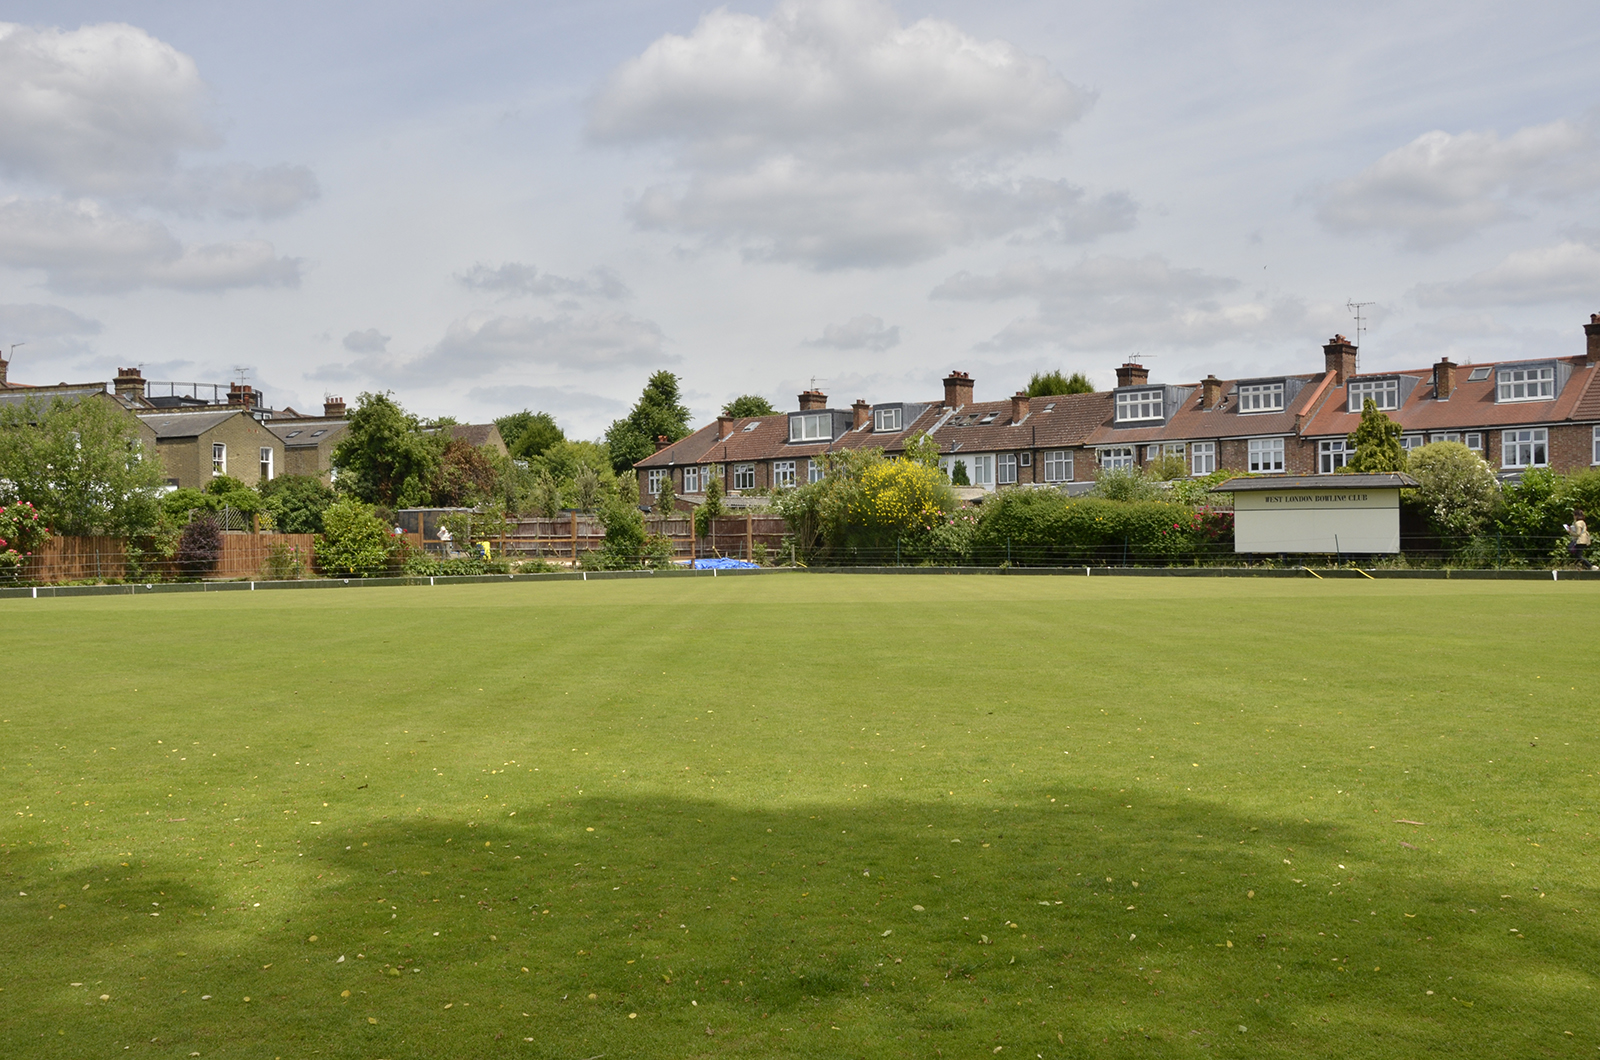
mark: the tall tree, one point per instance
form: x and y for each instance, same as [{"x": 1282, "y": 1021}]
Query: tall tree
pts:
[
  {"x": 528, "y": 434},
  {"x": 749, "y": 405},
  {"x": 82, "y": 465},
  {"x": 1052, "y": 384},
  {"x": 1377, "y": 443},
  {"x": 659, "y": 412},
  {"x": 386, "y": 457}
]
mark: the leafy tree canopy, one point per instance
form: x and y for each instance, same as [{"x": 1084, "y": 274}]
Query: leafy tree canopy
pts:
[
  {"x": 528, "y": 434},
  {"x": 296, "y": 503},
  {"x": 1052, "y": 384},
  {"x": 386, "y": 457},
  {"x": 1377, "y": 443},
  {"x": 658, "y": 412},
  {"x": 82, "y": 465},
  {"x": 749, "y": 405},
  {"x": 1458, "y": 490}
]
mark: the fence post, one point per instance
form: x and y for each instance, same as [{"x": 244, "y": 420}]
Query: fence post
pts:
[
  {"x": 749, "y": 536},
  {"x": 574, "y": 538},
  {"x": 694, "y": 551}
]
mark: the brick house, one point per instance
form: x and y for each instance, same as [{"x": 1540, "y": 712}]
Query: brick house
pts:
[
  {"x": 308, "y": 441},
  {"x": 1519, "y": 414},
  {"x": 197, "y": 446}
]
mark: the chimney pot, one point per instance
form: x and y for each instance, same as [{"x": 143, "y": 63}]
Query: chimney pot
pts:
[
  {"x": 1210, "y": 392},
  {"x": 1591, "y": 332},
  {"x": 1444, "y": 379},
  {"x": 810, "y": 400},
  {"x": 957, "y": 390},
  {"x": 662, "y": 441},
  {"x": 333, "y": 407},
  {"x": 862, "y": 414},
  {"x": 1019, "y": 406},
  {"x": 1339, "y": 357},
  {"x": 1131, "y": 374},
  {"x": 129, "y": 383}
]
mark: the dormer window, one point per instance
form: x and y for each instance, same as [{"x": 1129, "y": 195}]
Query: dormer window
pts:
[
  {"x": 811, "y": 427},
  {"x": 1261, "y": 397},
  {"x": 1139, "y": 405},
  {"x": 1525, "y": 384},
  {"x": 887, "y": 420},
  {"x": 1385, "y": 393}
]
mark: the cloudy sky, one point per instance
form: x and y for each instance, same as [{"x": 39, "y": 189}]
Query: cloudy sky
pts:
[{"x": 485, "y": 206}]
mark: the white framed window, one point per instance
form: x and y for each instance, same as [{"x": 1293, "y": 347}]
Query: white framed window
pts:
[
  {"x": 783, "y": 472},
  {"x": 1261, "y": 397},
  {"x": 1005, "y": 469},
  {"x": 1479, "y": 374},
  {"x": 266, "y": 463},
  {"x": 744, "y": 476},
  {"x": 886, "y": 419},
  {"x": 1058, "y": 465},
  {"x": 816, "y": 470},
  {"x": 1024, "y": 459},
  {"x": 219, "y": 458},
  {"x": 1409, "y": 442},
  {"x": 1156, "y": 452},
  {"x": 1116, "y": 456},
  {"x": 1445, "y": 436},
  {"x": 653, "y": 481},
  {"x": 1526, "y": 448},
  {"x": 1139, "y": 405},
  {"x": 1596, "y": 459},
  {"x": 1266, "y": 454},
  {"x": 981, "y": 468},
  {"x": 1525, "y": 384},
  {"x": 1203, "y": 458},
  {"x": 1473, "y": 440},
  {"x": 1385, "y": 393},
  {"x": 1333, "y": 455},
  {"x": 691, "y": 479},
  {"x": 812, "y": 427}
]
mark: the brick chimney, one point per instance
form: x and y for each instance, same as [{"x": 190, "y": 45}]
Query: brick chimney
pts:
[
  {"x": 1019, "y": 406},
  {"x": 333, "y": 408},
  {"x": 725, "y": 426},
  {"x": 662, "y": 441},
  {"x": 129, "y": 383},
  {"x": 1339, "y": 356},
  {"x": 4, "y": 364},
  {"x": 1131, "y": 374},
  {"x": 1591, "y": 331},
  {"x": 1210, "y": 392},
  {"x": 1444, "y": 379},
  {"x": 861, "y": 415},
  {"x": 957, "y": 390},
  {"x": 811, "y": 400},
  {"x": 239, "y": 395}
]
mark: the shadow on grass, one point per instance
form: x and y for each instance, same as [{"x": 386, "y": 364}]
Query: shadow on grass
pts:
[{"x": 1069, "y": 922}]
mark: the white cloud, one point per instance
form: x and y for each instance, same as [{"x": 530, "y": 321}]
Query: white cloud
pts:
[
  {"x": 81, "y": 246},
  {"x": 1110, "y": 302},
  {"x": 32, "y": 320},
  {"x": 859, "y": 333},
  {"x": 1443, "y": 187},
  {"x": 556, "y": 400},
  {"x": 1566, "y": 272},
  {"x": 830, "y": 135},
  {"x": 108, "y": 110},
  {"x": 368, "y": 341},
  {"x": 484, "y": 343},
  {"x": 514, "y": 278}
]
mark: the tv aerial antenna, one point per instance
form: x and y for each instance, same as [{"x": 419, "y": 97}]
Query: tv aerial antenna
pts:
[{"x": 1356, "y": 308}]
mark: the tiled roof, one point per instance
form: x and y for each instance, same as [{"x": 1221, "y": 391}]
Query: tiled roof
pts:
[
  {"x": 1190, "y": 422},
  {"x": 1472, "y": 403},
  {"x": 187, "y": 424}
]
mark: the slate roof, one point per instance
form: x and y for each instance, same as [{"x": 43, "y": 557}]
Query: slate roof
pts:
[
  {"x": 185, "y": 425},
  {"x": 296, "y": 434},
  {"x": 21, "y": 395}
]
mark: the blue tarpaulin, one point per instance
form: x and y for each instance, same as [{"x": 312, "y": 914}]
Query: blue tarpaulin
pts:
[{"x": 725, "y": 564}]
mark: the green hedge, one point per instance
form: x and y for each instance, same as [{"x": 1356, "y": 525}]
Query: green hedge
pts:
[{"x": 1045, "y": 528}]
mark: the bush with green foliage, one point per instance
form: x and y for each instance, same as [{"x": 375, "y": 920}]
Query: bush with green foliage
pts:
[
  {"x": 865, "y": 508},
  {"x": 354, "y": 541},
  {"x": 285, "y": 562},
  {"x": 423, "y": 565},
  {"x": 1053, "y": 384},
  {"x": 749, "y": 405},
  {"x": 1125, "y": 484},
  {"x": 712, "y": 507},
  {"x": 1047, "y": 528},
  {"x": 385, "y": 456},
  {"x": 296, "y": 503},
  {"x": 528, "y": 434},
  {"x": 958, "y": 473},
  {"x": 22, "y": 531},
  {"x": 1458, "y": 490}
]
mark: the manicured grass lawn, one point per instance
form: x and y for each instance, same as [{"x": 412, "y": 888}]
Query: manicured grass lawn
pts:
[{"x": 803, "y": 816}]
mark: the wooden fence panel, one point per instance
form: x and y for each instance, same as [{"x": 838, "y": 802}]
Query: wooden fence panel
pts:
[
  {"x": 76, "y": 559},
  {"x": 244, "y": 555}
]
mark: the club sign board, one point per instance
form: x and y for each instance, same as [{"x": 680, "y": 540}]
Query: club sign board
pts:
[{"x": 1328, "y": 517}]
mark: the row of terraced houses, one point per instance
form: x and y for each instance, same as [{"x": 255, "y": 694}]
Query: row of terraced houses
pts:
[{"x": 1518, "y": 415}]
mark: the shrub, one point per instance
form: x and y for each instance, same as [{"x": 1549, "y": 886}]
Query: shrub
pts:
[
  {"x": 1377, "y": 443},
  {"x": 1124, "y": 484},
  {"x": 1458, "y": 491},
  {"x": 296, "y": 503},
  {"x": 1042, "y": 527},
  {"x": 353, "y": 540},
  {"x": 422, "y": 565},
  {"x": 285, "y": 563},
  {"x": 199, "y": 547}
]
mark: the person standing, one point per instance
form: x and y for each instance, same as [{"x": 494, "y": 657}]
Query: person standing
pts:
[{"x": 1578, "y": 543}]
